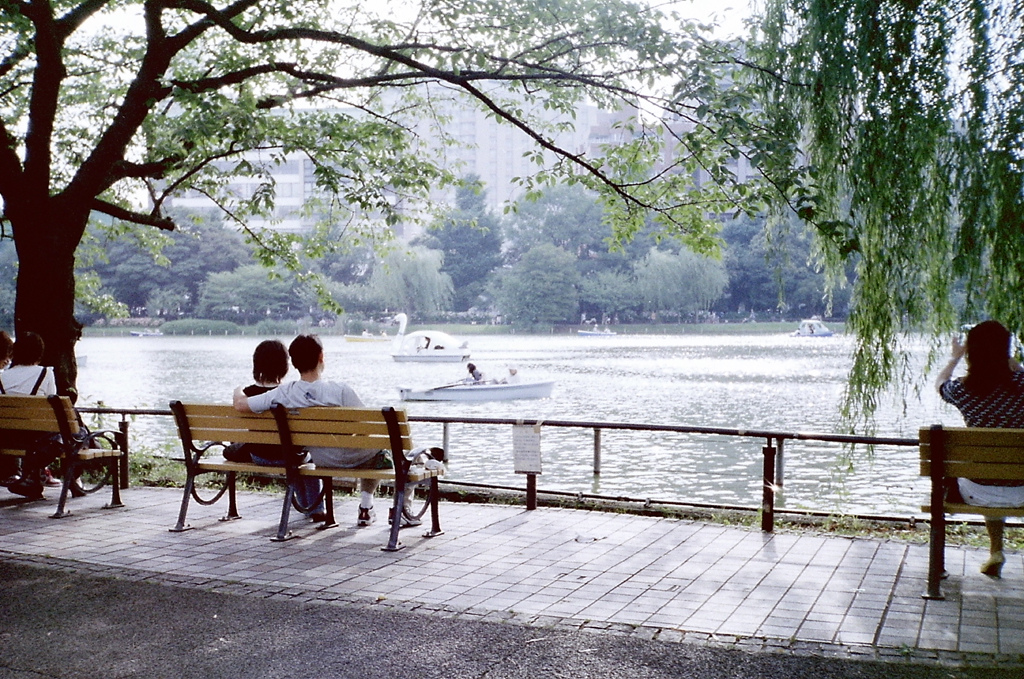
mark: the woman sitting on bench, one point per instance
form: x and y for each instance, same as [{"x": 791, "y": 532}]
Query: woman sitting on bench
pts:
[{"x": 990, "y": 395}]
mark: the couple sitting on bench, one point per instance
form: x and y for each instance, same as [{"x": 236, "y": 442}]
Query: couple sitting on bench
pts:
[{"x": 270, "y": 364}]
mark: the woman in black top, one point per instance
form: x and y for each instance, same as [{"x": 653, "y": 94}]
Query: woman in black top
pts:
[
  {"x": 991, "y": 394},
  {"x": 269, "y": 366}
]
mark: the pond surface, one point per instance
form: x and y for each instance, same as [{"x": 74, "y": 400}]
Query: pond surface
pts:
[{"x": 764, "y": 382}]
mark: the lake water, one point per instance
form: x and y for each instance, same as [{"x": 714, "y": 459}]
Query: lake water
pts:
[{"x": 765, "y": 382}]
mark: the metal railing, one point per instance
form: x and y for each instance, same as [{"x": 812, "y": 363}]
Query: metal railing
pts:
[{"x": 773, "y": 450}]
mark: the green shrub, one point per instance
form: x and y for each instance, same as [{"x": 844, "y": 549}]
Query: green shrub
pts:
[{"x": 272, "y": 327}]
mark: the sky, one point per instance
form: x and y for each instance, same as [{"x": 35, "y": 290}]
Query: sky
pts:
[{"x": 727, "y": 14}]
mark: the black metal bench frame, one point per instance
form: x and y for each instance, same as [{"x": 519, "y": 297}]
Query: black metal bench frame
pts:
[{"x": 404, "y": 478}]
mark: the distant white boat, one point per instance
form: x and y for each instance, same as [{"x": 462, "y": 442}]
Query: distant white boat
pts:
[
  {"x": 607, "y": 332},
  {"x": 367, "y": 337},
  {"x": 480, "y": 391},
  {"x": 146, "y": 333},
  {"x": 812, "y": 327},
  {"x": 426, "y": 346}
]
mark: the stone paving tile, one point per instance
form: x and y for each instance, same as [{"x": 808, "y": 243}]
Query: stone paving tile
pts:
[{"x": 674, "y": 580}]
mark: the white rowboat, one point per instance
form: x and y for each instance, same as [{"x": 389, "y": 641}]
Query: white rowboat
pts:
[{"x": 486, "y": 391}]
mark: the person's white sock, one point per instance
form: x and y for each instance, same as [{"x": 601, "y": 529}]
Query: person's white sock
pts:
[{"x": 367, "y": 500}]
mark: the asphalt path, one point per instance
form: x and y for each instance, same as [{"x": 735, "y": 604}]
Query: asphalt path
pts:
[{"x": 56, "y": 623}]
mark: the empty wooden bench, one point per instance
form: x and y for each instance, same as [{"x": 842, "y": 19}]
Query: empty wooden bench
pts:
[
  {"x": 24, "y": 420},
  {"x": 949, "y": 453},
  {"x": 206, "y": 429}
]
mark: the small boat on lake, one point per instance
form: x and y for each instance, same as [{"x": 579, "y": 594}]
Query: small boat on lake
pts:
[
  {"x": 812, "y": 327},
  {"x": 607, "y": 332},
  {"x": 367, "y": 337},
  {"x": 426, "y": 346},
  {"x": 146, "y": 333},
  {"x": 479, "y": 391}
]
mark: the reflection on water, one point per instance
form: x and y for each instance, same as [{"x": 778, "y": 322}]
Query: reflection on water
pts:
[{"x": 771, "y": 382}]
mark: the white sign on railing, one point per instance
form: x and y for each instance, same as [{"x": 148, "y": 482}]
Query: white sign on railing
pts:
[{"x": 526, "y": 448}]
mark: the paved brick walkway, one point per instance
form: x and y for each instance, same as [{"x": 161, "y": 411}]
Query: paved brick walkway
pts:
[{"x": 660, "y": 578}]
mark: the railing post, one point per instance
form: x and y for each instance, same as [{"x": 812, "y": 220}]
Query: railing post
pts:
[
  {"x": 597, "y": 451},
  {"x": 780, "y": 463},
  {"x": 531, "y": 491},
  {"x": 444, "y": 441},
  {"x": 768, "y": 492},
  {"x": 123, "y": 464}
]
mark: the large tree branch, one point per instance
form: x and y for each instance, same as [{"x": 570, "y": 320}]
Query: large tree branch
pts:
[
  {"x": 10, "y": 164},
  {"x": 73, "y": 19},
  {"x": 119, "y": 212}
]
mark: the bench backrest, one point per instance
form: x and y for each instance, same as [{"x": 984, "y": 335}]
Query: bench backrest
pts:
[
  {"x": 326, "y": 427},
  {"x": 25, "y": 418},
  {"x": 973, "y": 452},
  {"x": 365, "y": 428},
  {"x": 200, "y": 422}
]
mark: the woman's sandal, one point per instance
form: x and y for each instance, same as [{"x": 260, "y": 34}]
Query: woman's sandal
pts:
[{"x": 994, "y": 566}]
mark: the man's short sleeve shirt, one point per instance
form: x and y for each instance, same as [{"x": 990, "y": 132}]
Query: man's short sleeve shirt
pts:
[{"x": 301, "y": 394}]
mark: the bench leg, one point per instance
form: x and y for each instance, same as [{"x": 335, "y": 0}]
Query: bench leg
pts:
[
  {"x": 114, "y": 469},
  {"x": 283, "y": 533},
  {"x": 65, "y": 488},
  {"x": 232, "y": 499},
  {"x": 435, "y": 515},
  {"x": 181, "y": 526},
  {"x": 396, "y": 512},
  {"x": 936, "y": 557}
]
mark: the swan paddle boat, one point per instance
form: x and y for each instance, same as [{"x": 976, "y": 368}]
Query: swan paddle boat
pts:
[
  {"x": 479, "y": 391},
  {"x": 426, "y": 346},
  {"x": 812, "y": 327}
]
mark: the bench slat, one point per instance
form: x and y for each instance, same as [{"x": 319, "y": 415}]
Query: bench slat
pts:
[
  {"x": 236, "y": 436},
  {"x": 339, "y": 441},
  {"x": 962, "y": 508},
  {"x": 972, "y": 436},
  {"x": 1004, "y": 454},
  {"x": 338, "y": 414},
  {"x": 979, "y": 470}
]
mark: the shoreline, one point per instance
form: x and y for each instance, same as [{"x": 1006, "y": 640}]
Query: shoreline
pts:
[{"x": 756, "y": 328}]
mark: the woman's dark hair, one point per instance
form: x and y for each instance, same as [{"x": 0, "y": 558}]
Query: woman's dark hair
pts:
[
  {"x": 270, "y": 362},
  {"x": 988, "y": 357},
  {"x": 6, "y": 347},
  {"x": 305, "y": 351},
  {"x": 28, "y": 350}
]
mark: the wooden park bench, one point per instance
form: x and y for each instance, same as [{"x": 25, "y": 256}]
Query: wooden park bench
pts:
[
  {"x": 948, "y": 453},
  {"x": 24, "y": 420},
  {"x": 206, "y": 429}
]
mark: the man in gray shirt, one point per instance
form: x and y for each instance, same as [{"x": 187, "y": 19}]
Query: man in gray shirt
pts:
[{"x": 309, "y": 391}]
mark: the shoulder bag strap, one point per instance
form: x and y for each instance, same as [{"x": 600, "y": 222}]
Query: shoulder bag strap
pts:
[{"x": 42, "y": 376}]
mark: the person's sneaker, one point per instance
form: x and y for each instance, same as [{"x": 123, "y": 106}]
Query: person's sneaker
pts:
[
  {"x": 366, "y": 516},
  {"x": 13, "y": 478},
  {"x": 407, "y": 521},
  {"x": 318, "y": 517},
  {"x": 49, "y": 479}
]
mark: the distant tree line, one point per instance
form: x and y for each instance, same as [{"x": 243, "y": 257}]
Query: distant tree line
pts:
[{"x": 547, "y": 262}]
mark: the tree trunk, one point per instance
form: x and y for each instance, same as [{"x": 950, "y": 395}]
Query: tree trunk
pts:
[{"x": 46, "y": 292}]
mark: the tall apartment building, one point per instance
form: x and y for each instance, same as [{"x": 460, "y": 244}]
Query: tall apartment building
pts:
[{"x": 495, "y": 152}]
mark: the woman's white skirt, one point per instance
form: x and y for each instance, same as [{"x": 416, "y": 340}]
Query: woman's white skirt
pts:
[{"x": 991, "y": 496}]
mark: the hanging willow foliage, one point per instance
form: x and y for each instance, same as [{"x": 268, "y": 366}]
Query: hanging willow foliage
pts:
[{"x": 909, "y": 119}]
